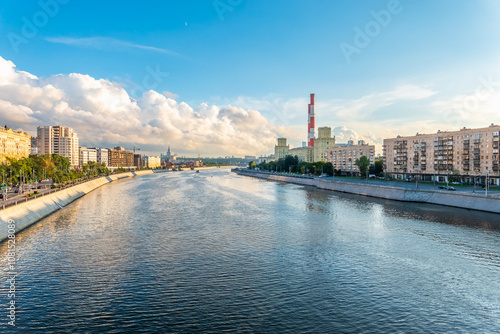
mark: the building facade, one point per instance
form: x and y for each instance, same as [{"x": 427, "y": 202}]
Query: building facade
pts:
[
  {"x": 307, "y": 153},
  {"x": 152, "y": 161},
  {"x": 282, "y": 149},
  {"x": 58, "y": 140},
  {"x": 138, "y": 162},
  {"x": 343, "y": 156},
  {"x": 86, "y": 155},
  {"x": 14, "y": 144},
  {"x": 470, "y": 153},
  {"x": 120, "y": 158},
  {"x": 102, "y": 155},
  {"x": 323, "y": 143},
  {"x": 34, "y": 149}
]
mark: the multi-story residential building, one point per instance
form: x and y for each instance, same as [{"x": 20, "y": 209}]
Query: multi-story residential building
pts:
[
  {"x": 102, "y": 155},
  {"x": 118, "y": 157},
  {"x": 343, "y": 156},
  {"x": 58, "y": 140},
  {"x": 86, "y": 155},
  {"x": 34, "y": 149},
  {"x": 14, "y": 144},
  {"x": 138, "y": 162},
  {"x": 152, "y": 161},
  {"x": 471, "y": 153},
  {"x": 307, "y": 153}
]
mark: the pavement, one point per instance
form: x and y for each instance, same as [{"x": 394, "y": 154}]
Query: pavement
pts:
[{"x": 408, "y": 185}]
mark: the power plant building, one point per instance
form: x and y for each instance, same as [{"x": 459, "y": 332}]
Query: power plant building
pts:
[{"x": 316, "y": 147}]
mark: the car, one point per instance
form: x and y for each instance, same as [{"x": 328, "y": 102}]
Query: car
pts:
[{"x": 447, "y": 188}]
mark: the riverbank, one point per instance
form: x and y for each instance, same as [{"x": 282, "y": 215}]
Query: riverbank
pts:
[
  {"x": 447, "y": 198},
  {"x": 27, "y": 213}
]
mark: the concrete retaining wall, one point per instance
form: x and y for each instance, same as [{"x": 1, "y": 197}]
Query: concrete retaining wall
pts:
[
  {"x": 454, "y": 199},
  {"x": 27, "y": 213}
]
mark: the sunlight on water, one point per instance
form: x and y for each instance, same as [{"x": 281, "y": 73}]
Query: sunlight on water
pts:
[{"x": 214, "y": 252}]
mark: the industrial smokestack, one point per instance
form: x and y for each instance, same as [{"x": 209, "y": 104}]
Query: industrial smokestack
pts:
[{"x": 310, "y": 125}]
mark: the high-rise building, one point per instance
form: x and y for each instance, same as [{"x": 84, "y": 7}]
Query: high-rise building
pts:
[
  {"x": 471, "y": 153},
  {"x": 14, "y": 144},
  {"x": 34, "y": 149},
  {"x": 58, "y": 140}
]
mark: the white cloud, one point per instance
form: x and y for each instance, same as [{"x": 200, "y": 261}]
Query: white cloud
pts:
[
  {"x": 105, "y": 43},
  {"x": 103, "y": 114},
  {"x": 170, "y": 95}
]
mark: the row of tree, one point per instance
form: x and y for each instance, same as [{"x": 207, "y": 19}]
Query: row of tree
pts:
[
  {"x": 292, "y": 164},
  {"x": 48, "y": 166}
]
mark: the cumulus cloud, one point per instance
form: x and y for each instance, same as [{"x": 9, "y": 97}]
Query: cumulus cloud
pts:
[{"x": 103, "y": 114}]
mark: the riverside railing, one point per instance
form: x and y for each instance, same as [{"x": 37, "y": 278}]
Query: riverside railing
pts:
[{"x": 51, "y": 191}]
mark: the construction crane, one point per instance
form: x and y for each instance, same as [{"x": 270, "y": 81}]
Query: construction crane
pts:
[{"x": 133, "y": 149}]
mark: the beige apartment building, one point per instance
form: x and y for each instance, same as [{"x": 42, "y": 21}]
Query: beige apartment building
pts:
[
  {"x": 472, "y": 153},
  {"x": 58, "y": 140},
  {"x": 343, "y": 156},
  {"x": 14, "y": 144}
]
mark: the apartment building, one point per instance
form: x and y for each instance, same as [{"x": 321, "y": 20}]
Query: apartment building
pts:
[
  {"x": 472, "y": 153},
  {"x": 58, "y": 140},
  {"x": 14, "y": 144},
  {"x": 343, "y": 156},
  {"x": 86, "y": 155},
  {"x": 118, "y": 157}
]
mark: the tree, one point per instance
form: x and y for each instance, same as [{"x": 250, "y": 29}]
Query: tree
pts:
[
  {"x": 328, "y": 168},
  {"x": 363, "y": 164},
  {"x": 252, "y": 165}
]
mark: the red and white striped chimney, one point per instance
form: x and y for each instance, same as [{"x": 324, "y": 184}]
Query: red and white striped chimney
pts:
[{"x": 310, "y": 125}]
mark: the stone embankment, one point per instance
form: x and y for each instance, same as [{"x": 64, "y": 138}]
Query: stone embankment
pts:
[
  {"x": 27, "y": 213},
  {"x": 447, "y": 198}
]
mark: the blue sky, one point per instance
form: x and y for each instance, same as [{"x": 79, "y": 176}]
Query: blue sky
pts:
[{"x": 413, "y": 67}]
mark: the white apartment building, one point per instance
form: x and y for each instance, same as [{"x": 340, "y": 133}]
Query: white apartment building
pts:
[
  {"x": 58, "y": 140},
  {"x": 86, "y": 155}
]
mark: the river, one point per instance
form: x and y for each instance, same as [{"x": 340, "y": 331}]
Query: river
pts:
[{"x": 215, "y": 252}]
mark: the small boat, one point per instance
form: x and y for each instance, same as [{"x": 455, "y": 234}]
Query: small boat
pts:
[{"x": 197, "y": 171}]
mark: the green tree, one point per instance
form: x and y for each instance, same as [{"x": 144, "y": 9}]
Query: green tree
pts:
[{"x": 363, "y": 164}]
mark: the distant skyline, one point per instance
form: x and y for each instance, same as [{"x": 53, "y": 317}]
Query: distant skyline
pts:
[{"x": 229, "y": 77}]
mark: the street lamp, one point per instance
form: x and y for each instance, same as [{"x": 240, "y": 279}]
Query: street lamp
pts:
[{"x": 486, "y": 186}]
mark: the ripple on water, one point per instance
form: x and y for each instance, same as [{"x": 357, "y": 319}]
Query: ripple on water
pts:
[{"x": 216, "y": 252}]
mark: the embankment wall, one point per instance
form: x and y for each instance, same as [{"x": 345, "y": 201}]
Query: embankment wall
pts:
[{"x": 28, "y": 213}]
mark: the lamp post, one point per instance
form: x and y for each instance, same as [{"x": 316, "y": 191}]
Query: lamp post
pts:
[{"x": 486, "y": 186}]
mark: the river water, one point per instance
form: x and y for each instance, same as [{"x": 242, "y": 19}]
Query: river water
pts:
[{"x": 215, "y": 252}]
